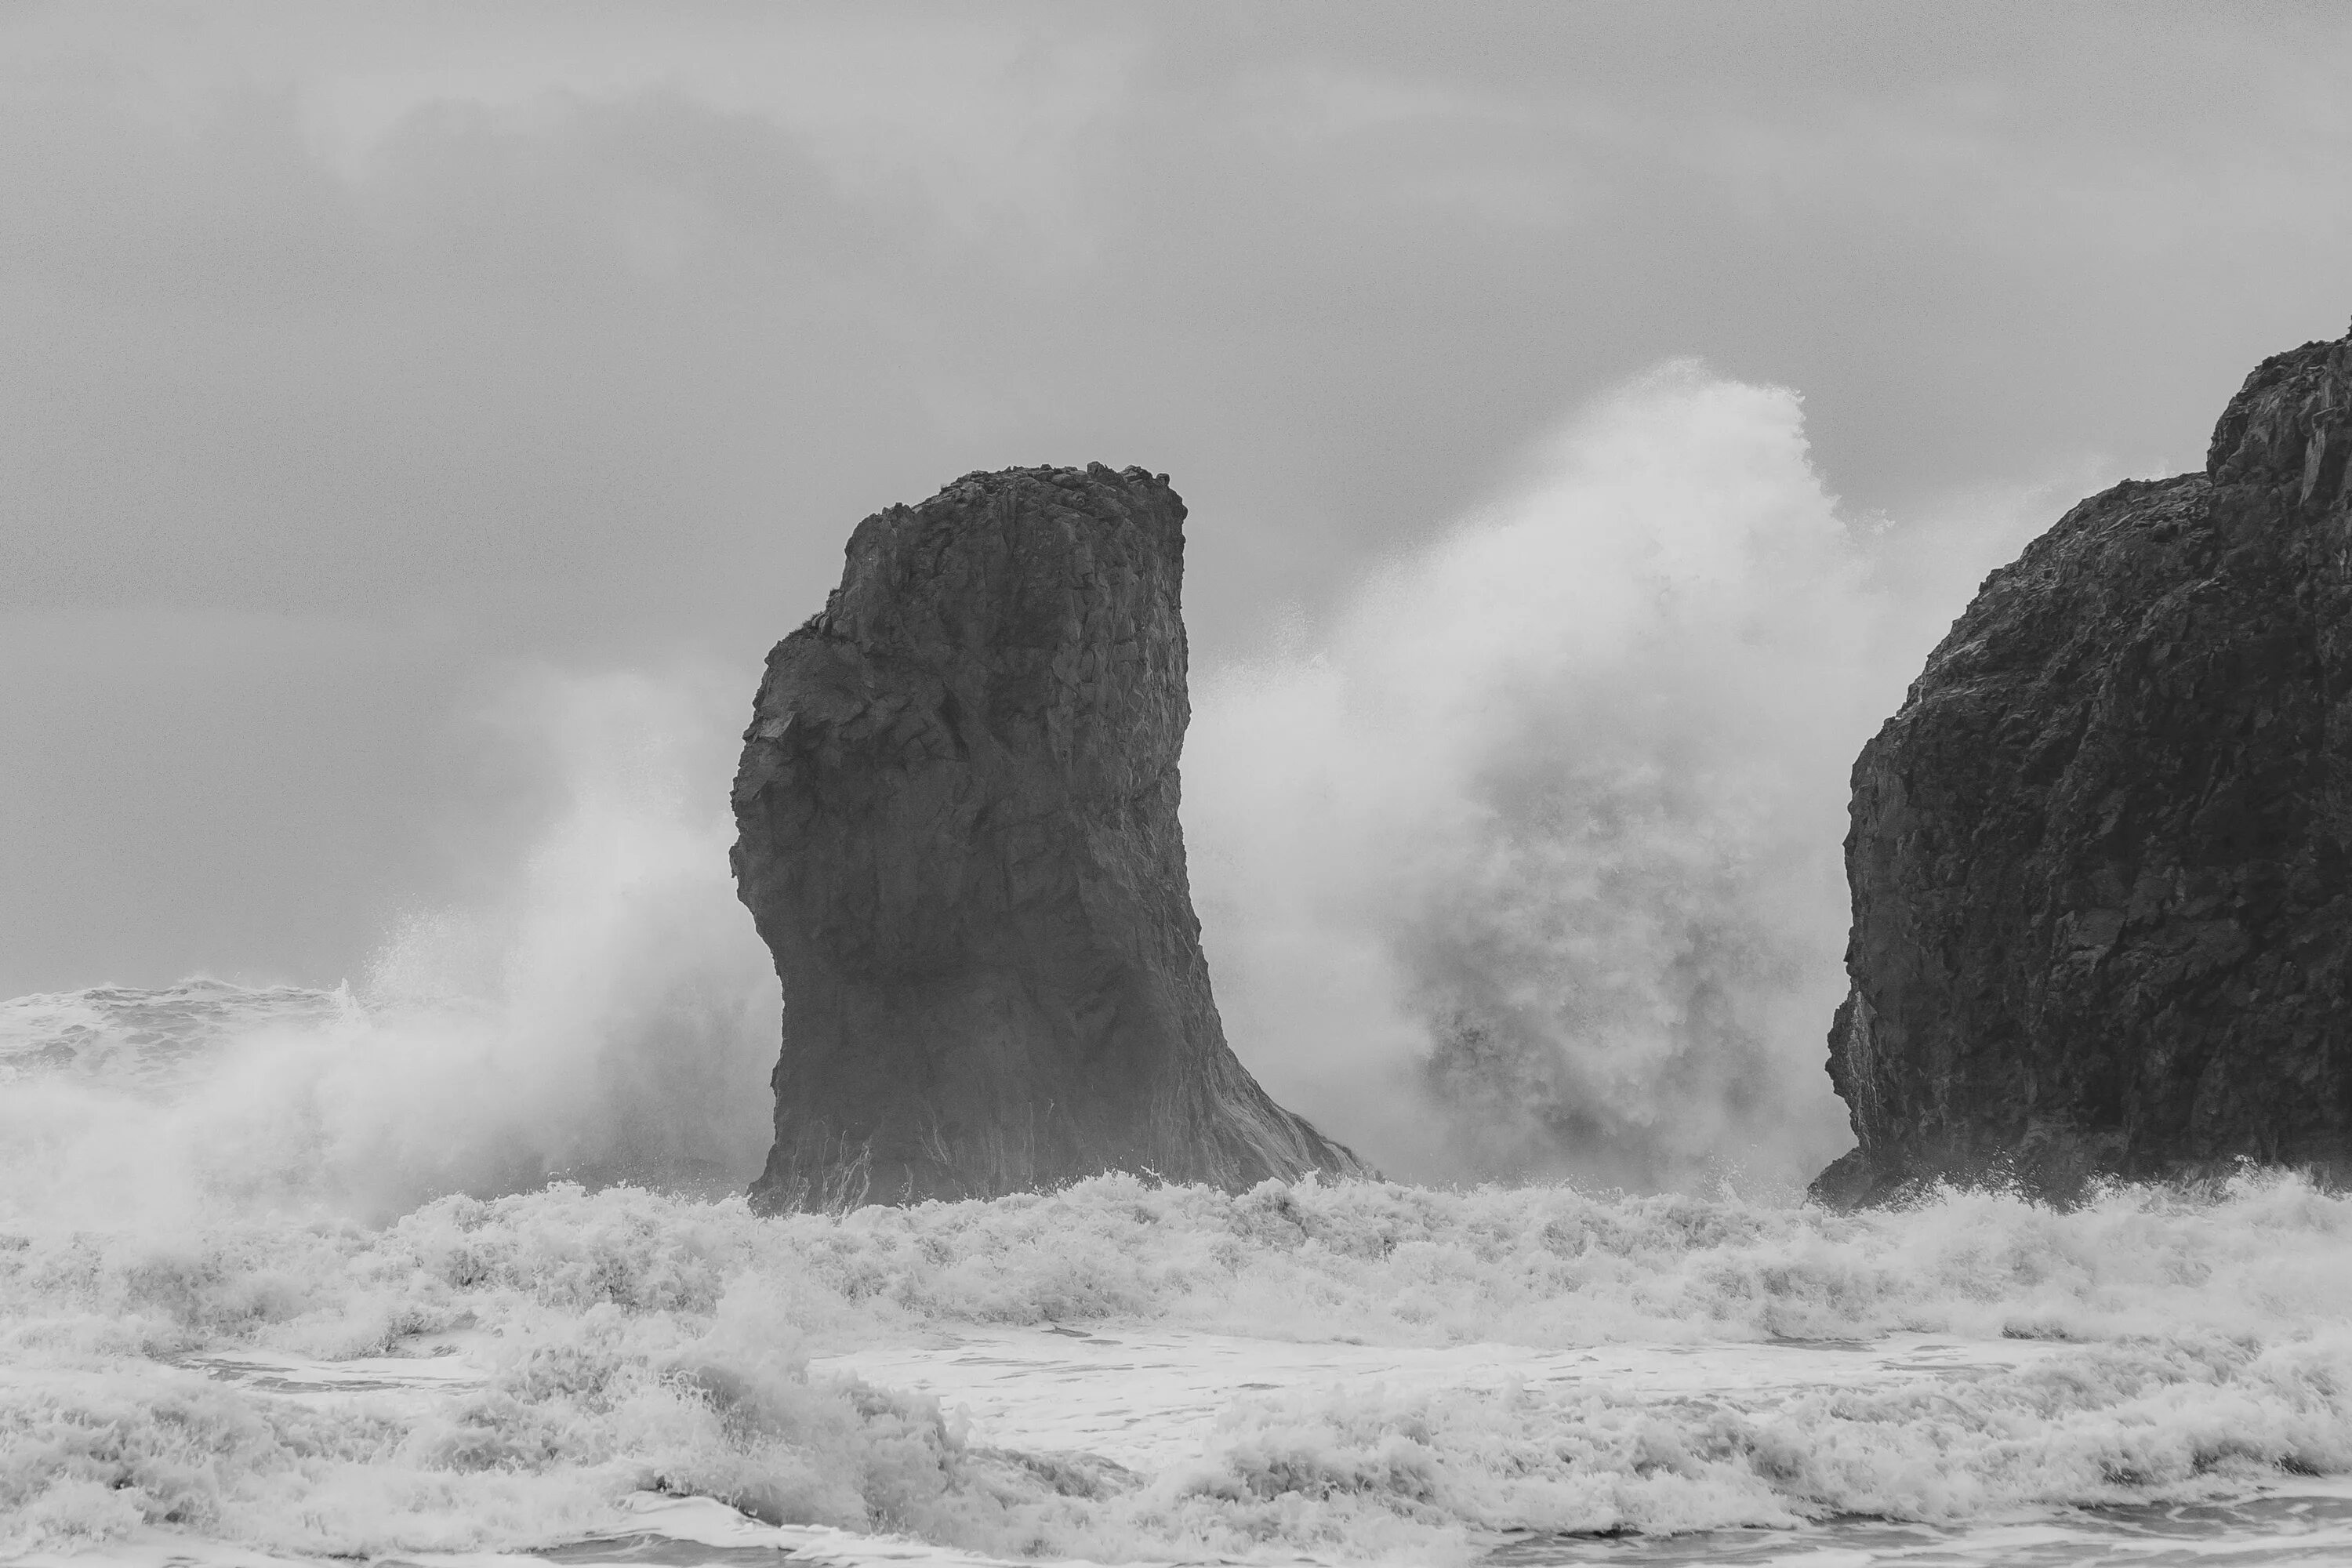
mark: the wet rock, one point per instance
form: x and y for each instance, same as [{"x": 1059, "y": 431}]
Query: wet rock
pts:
[
  {"x": 958, "y": 835},
  {"x": 2101, "y": 861}
]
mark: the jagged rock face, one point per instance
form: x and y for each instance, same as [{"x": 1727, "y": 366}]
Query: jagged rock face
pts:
[
  {"x": 2101, "y": 861},
  {"x": 958, "y": 835}
]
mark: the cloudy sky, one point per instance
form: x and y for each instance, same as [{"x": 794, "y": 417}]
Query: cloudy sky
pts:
[{"x": 363, "y": 360}]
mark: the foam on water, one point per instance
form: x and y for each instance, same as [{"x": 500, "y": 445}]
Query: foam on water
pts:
[{"x": 1122, "y": 1371}]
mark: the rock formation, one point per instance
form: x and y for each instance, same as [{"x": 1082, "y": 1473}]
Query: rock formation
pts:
[
  {"x": 2101, "y": 861},
  {"x": 958, "y": 835}
]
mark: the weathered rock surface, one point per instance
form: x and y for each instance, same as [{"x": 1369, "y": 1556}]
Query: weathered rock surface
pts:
[
  {"x": 958, "y": 835},
  {"x": 2101, "y": 861}
]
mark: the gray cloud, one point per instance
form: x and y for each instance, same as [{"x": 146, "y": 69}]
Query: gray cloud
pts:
[{"x": 356, "y": 354}]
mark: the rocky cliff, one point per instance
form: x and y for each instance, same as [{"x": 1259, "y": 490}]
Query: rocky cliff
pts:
[
  {"x": 958, "y": 835},
  {"x": 2101, "y": 861}
]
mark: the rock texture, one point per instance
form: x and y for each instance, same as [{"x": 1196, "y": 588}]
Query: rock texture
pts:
[
  {"x": 958, "y": 835},
  {"x": 2101, "y": 861}
]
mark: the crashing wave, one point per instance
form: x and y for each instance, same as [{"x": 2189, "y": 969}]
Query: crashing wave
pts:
[{"x": 588, "y": 1347}]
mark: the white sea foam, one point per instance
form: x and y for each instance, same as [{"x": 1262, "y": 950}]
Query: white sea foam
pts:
[{"x": 1328, "y": 1380}]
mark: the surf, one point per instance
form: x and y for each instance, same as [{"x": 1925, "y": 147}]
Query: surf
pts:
[{"x": 1122, "y": 1370}]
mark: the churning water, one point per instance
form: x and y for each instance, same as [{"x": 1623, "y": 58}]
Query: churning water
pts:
[
  {"x": 247, "y": 1367},
  {"x": 1530, "y": 872}
]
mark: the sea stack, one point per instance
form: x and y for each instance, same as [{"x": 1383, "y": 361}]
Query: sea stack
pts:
[
  {"x": 2101, "y": 861},
  {"x": 957, "y": 836}
]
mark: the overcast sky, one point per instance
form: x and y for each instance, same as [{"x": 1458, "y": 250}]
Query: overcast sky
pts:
[{"x": 358, "y": 358}]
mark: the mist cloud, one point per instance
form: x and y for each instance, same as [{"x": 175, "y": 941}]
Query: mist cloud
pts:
[
  {"x": 604, "y": 1012},
  {"x": 1532, "y": 869}
]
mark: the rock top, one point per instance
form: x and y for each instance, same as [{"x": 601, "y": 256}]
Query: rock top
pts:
[
  {"x": 2101, "y": 861},
  {"x": 958, "y": 835}
]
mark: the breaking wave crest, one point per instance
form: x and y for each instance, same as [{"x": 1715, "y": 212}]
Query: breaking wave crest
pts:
[{"x": 597, "y": 1345}]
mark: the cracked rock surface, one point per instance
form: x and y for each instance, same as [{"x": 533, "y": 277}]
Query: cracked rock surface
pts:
[
  {"x": 2101, "y": 861},
  {"x": 957, "y": 816}
]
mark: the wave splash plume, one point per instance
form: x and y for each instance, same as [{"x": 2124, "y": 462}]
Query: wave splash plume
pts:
[{"x": 608, "y": 1014}]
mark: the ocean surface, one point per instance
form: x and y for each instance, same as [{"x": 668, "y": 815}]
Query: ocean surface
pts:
[{"x": 270, "y": 1292}]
